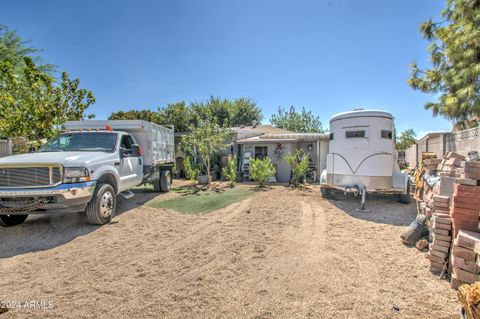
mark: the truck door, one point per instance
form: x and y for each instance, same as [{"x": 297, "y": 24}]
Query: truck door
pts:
[{"x": 131, "y": 168}]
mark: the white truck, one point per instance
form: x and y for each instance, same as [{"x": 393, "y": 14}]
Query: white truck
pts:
[{"x": 85, "y": 168}]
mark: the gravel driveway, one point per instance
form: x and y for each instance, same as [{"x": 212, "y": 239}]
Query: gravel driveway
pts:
[{"x": 280, "y": 254}]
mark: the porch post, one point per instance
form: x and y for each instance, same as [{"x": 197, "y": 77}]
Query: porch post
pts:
[{"x": 318, "y": 159}]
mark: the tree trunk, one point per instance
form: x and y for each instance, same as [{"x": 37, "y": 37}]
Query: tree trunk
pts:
[{"x": 208, "y": 171}]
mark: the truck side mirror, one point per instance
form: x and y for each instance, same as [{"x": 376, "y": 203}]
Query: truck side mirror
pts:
[{"x": 136, "y": 150}]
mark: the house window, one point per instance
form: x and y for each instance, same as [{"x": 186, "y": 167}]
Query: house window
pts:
[
  {"x": 387, "y": 134},
  {"x": 331, "y": 137},
  {"x": 354, "y": 134},
  {"x": 261, "y": 152}
]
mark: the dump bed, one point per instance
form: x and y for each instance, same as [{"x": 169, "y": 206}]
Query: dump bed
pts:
[{"x": 157, "y": 141}]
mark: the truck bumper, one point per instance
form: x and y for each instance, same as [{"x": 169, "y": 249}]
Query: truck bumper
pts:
[{"x": 63, "y": 198}]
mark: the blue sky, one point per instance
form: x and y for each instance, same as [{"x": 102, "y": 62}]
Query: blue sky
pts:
[{"x": 329, "y": 56}]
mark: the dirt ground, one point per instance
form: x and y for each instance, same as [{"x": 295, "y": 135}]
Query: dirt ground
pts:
[{"x": 280, "y": 254}]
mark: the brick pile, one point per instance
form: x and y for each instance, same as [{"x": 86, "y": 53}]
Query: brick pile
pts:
[
  {"x": 465, "y": 258},
  {"x": 452, "y": 165},
  {"x": 441, "y": 227},
  {"x": 465, "y": 208},
  {"x": 471, "y": 170},
  {"x": 431, "y": 165}
]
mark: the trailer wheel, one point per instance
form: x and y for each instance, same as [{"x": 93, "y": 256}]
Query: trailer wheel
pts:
[
  {"x": 405, "y": 198},
  {"x": 326, "y": 192},
  {"x": 12, "y": 220},
  {"x": 102, "y": 207},
  {"x": 165, "y": 181}
]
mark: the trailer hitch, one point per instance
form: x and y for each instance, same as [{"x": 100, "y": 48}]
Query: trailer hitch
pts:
[{"x": 356, "y": 190}]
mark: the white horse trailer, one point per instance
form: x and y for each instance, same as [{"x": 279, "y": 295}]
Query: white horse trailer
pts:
[{"x": 362, "y": 156}]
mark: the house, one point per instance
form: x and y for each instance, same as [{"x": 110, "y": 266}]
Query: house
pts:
[{"x": 260, "y": 141}]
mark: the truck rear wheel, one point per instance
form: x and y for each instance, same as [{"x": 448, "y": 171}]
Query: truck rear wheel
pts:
[
  {"x": 102, "y": 207},
  {"x": 12, "y": 220},
  {"x": 165, "y": 181}
]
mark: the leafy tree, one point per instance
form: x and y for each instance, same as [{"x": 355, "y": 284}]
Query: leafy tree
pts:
[
  {"x": 14, "y": 49},
  {"x": 243, "y": 111},
  {"x": 302, "y": 122},
  {"x": 214, "y": 107},
  {"x": 191, "y": 170},
  {"x": 299, "y": 164},
  {"x": 207, "y": 138},
  {"x": 230, "y": 170},
  {"x": 405, "y": 140},
  {"x": 454, "y": 76},
  {"x": 33, "y": 106},
  {"x": 261, "y": 170},
  {"x": 177, "y": 114},
  {"x": 146, "y": 115}
]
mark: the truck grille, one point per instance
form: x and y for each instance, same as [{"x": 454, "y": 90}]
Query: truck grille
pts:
[{"x": 35, "y": 176}]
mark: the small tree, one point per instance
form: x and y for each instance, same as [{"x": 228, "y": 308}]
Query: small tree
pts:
[
  {"x": 299, "y": 164},
  {"x": 261, "y": 170},
  {"x": 405, "y": 140},
  {"x": 191, "y": 170},
  {"x": 230, "y": 170},
  {"x": 207, "y": 139}
]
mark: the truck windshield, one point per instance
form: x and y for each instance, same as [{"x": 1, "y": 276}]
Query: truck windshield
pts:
[{"x": 86, "y": 142}]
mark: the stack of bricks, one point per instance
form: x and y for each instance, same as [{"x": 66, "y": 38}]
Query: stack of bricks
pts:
[
  {"x": 452, "y": 165},
  {"x": 465, "y": 208},
  {"x": 441, "y": 229},
  {"x": 465, "y": 260},
  {"x": 471, "y": 171},
  {"x": 431, "y": 165}
]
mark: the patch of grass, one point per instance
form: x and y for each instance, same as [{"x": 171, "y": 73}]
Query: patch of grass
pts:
[{"x": 195, "y": 200}]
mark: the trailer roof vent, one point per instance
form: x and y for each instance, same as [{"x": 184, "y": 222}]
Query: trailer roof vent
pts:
[{"x": 359, "y": 109}]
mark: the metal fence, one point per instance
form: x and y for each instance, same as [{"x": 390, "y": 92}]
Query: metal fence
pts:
[{"x": 461, "y": 142}]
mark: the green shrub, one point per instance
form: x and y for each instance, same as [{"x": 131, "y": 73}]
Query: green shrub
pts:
[
  {"x": 299, "y": 164},
  {"x": 191, "y": 170},
  {"x": 230, "y": 170},
  {"x": 261, "y": 170}
]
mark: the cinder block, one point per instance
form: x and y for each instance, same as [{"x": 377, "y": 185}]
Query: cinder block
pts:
[
  {"x": 468, "y": 239},
  {"x": 465, "y": 276},
  {"x": 436, "y": 224},
  {"x": 447, "y": 238},
  {"x": 466, "y": 181},
  {"x": 434, "y": 258},
  {"x": 442, "y": 243},
  {"x": 437, "y": 253},
  {"x": 442, "y": 220},
  {"x": 463, "y": 253},
  {"x": 469, "y": 266},
  {"x": 455, "y": 283},
  {"x": 441, "y": 231}
]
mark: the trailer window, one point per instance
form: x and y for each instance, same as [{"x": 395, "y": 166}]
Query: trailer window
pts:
[
  {"x": 353, "y": 134},
  {"x": 331, "y": 137},
  {"x": 387, "y": 134}
]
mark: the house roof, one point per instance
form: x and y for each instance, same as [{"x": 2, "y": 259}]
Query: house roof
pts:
[
  {"x": 285, "y": 137},
  {"x": 261, "y": 129}
]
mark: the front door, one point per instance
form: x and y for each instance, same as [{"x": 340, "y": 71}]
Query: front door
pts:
[{"x": 131, "y": 168}]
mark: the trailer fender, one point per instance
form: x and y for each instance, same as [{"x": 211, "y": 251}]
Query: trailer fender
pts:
[
  {"x": 400, "y": 181},
  {"x": 323, "y": 177}
]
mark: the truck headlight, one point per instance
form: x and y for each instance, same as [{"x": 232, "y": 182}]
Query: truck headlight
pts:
[{"x": 75, "y": 175}]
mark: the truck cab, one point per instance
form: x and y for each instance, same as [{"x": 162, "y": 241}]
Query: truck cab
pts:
[{"x": 79, "y": 171}]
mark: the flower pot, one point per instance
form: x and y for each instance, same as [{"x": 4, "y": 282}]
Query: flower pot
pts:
[{"x": 203, "y": 179}]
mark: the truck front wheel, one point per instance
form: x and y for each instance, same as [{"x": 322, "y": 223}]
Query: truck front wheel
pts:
[
  {"x": 12, "y": 220},
  {"x": 102, "y": 207}
]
